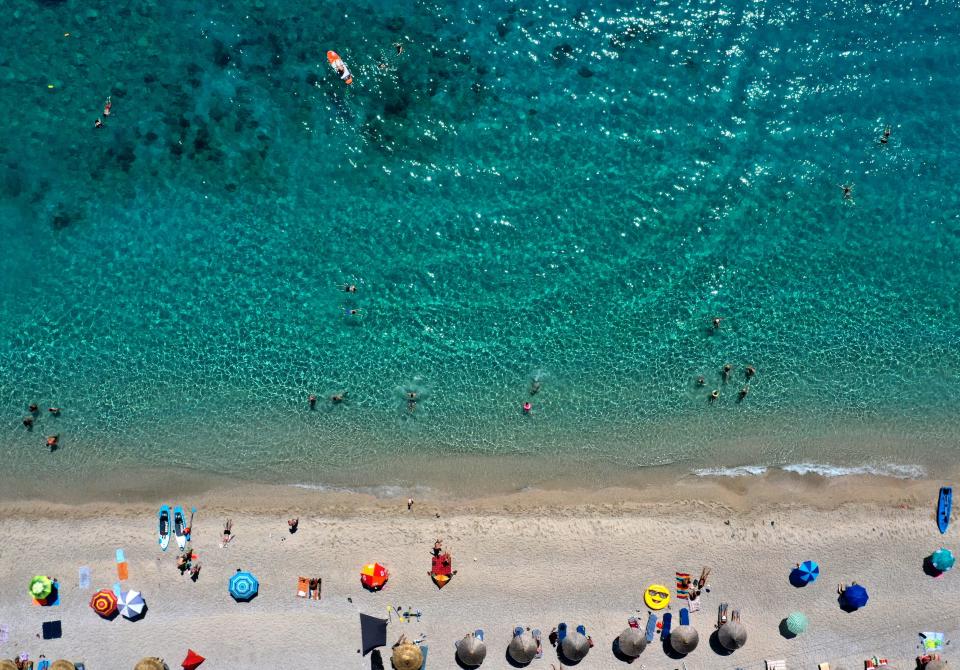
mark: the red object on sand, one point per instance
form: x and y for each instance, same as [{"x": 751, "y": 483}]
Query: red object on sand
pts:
[
  {"x": 438, "y": 565},
  {"x": 192, "y": 660}
]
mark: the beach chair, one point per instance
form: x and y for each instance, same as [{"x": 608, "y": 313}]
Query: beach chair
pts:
[
  {"x": 536, "y": 636},
  {"x": 423, "y": 650},
  {"x": 684, "y": 617},
  {"x": 721, "y": 614},
  {"x": 823, "y": 666},
  {"x": 582, "y": 630},
  {"x": 561, "y": 632},
  {"x": 776, "y": 665},
  {"x": 518, "y": 631},
  {"x": 667, "y": 623},
  {"x": 303, "y": 587}
]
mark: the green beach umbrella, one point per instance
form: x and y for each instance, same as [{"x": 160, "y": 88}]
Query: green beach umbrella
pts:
[
  {"x": 40, "y": 587},
  {"x": 942, "y": 560},
  {"x": 796, "y": 623}
]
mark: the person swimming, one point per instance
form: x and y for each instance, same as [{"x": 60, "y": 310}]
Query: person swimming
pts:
[
  {"x": 312, "y": 401},
  {"x": 701, "y": 381},
  {"x": 726, "y": 372},
  {"x": 107, "y": 104},
  {"x": 535, "y": 385},
  {"x": 743, "y": 393},
  {"x": 716, "y": 322},
  {"x": 714, "y": 395},
  {"x": 886, "y": 135},
  {"x": 527, "y": 407},
  {"x": 847, "y": 191},
  {"x": 28, "y": 422},
  {"x": 338, "y": 398},
  {"x": 53, "y": 441},
  {"x": 349, "y": 288},
  {"x": 750, "y": 371},
  {"x": 398, "y": 47}
]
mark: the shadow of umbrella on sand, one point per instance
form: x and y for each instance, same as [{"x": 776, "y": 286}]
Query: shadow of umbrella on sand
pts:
[
  {"x": 732, "y": 635},
  {"x": 631, "y": 642}
]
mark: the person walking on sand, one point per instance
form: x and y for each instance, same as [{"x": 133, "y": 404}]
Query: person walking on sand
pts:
[
  {"x": 292, "y": 525},
  {"x": 227, "y": 533},
  {"x": 409, "y": 504},
  {"x": 195, "y": 572}
]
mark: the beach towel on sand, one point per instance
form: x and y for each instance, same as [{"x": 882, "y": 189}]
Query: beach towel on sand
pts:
[
  {"x": 4, "y": 633},
  {"x": 303, "y": 587},
  {"x": 683, "y": 585},
  {"x": 84, "y": 577}
]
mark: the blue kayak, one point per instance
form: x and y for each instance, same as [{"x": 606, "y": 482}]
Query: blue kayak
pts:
[{"x": 944, "y": 506}]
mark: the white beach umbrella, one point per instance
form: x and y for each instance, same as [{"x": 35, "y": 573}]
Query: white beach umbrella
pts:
[{"x": 131, "y": 604}]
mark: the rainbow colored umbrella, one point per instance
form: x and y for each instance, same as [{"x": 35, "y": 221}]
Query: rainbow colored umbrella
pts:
[
  {"x": 942, "y": 560},
  {"x": 40, "y": 587},
  {"x": 243, "y": 586},
  {"x": 104, "y": 603},
  {"x": 373, "y": 576}
]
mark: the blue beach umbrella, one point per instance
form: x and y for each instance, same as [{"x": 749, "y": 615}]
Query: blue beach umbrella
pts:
[
  {"x": 243, "y": 586},
  {"x": 855, "y": 597},
  {"x": 807, "y": 572},
  {"x": 942, "y": 560}
]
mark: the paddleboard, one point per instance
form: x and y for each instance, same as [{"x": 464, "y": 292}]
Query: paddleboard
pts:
[
  {"x": 179, "y": 527},
  {"x": 163, "y": 526},
  {"x": 944, "y": 505},
  {"x": 339, "y": 66}
]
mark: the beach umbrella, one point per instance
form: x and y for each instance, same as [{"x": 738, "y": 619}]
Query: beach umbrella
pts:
[
  {"x": 523, "y": 648},
  {"x": 373, "y": 633},
  {"x": 796, "y": 623},
  {"x": 936, "y": 664},
  {"x": 104, "y": 603},
  {"x": 151, "y": 663},
  {"x": 855, "y": 597},
  {"x": 131, "y": 604},
  {"x": 732, "y": 635},
  {"x": 243, "y": 586},
  {"x": 62, "y": 665},
  {"x": 407, "y": 656},
  {"x": 575, "y": 646},
  {"x": 192, "y": 661},
  {"x": 941, "y": 560},
  {"x": 40, "y": 587},
  {"x": 373, "y": 576},
  {"x": 807, "y": 572},
  {"x": 7, "y": 664},
  {"x": 684, "y": 639},
  {"x": 632, "y": 642},
  {"x": 471, "y": 650}
]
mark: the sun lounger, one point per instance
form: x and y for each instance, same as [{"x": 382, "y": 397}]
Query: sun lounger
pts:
[
  {"x": 561, "y": 632},
  {"x": 536, "y": 636},
  {"x": 651, "y": 630},
  {"x": 582, "y": 630},
  {"x": 303, "y": 587},
  {"x": 721, "y": 614},
  {"x": 684, "y": 617},
  {"x": 478, "y": 633},
  {"x": 776, "y": 665},
  {"x": 518, "y": 631},
  {"x": 823, "y": 666},
  {"x": 424, "y": 649},
  {"x": 667, "y": 623}
]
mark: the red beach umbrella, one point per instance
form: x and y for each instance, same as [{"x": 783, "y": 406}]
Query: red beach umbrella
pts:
[
  {"x": 192, "y": 661},
  {"x": 373, "y": 576},
  {"x": 104, "y": 603}
]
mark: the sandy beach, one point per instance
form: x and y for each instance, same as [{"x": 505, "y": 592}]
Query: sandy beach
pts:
[{"x": 532, "y": 559}]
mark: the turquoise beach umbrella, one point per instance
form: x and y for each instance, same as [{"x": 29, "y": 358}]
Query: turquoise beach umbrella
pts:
[
  {"x": 797, "y": 623},
  {"x": 243, "y": 586},
  {"x": 942, "y": 560}
]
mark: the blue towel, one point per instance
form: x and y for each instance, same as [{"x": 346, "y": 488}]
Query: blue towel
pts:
[
  {"x": 43, "y": 665},
  {"x": 684, "y": 617}
]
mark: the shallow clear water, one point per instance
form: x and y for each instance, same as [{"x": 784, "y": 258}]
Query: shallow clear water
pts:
[{"x": 568, "y": 192}]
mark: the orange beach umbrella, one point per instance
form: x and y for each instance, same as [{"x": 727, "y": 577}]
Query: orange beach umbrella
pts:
[
  {"x": 104, "y": 603},
  {"x": 373, "y": 576}
]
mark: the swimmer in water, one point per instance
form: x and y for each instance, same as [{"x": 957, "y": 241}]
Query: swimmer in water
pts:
[
  {"x": 33, "y": 408},
  {"x": 350, "y": 288},
  {"x": 527, "y": 407},
  {"x": 53, "y": 441},
  {"x": 743, "y": 393},
  {"x": 55, "y": 411},
  {"x": 701, "y": 381},
  {"x": 398, "y": 47},
  {"x": 714, "y": 395},
  {"x": 351, "y": 312},
  {"x": 716, "y": 322},
  {"x": 535, "y": 385},
  {"x": 108, "y": 103},
  {"x": 98, "y": 124},
  {"x": 847, "y": 191},
  {"x": 28, "y": 422},
  {"x": 312, "y": 401},
  {"x": 726, "y": 372},
  {"x": 886, "y": 135},
  {"x": 750, "y": 371},
  {"x": 411, "y": 401},
  {"x": 338, "y": 398}
]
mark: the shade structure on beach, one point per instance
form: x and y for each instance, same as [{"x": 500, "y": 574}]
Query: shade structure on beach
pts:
[
  {"x": 732, "y": 635},
  {"x": 471, "y": 651},
  {"x": 684, "y": 639},
  {"x": 40, "y": 587},
  {"x": 523, "y": 648},
  {"x": 374, "y": 576},
  {"x": 104, "y": 603},
  {"x": 131, "y": 604},
  {"x": 373, "y": 633},
  {"x": 575, "y": 646},
  {"x": 936, "y": 664},
  {"x": 407, "y": 656},
  {"x": 243, "y": 586},
  {"x": 796, "y": 623},
  {"x": 854, "y": 597},
  {"x": 150, "y": 663},
  {"x": 192, "y": 661},
  {"x": 62, "y": 665},
  {"x": 632, "y": 642},
  {"x": 7, "y": 664},
  {"x": 942, "y": 560},
  {"x": 807, "y": 572}
]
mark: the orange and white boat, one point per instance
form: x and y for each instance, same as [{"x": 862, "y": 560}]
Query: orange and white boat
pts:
[{"x": 337, "y": 64}]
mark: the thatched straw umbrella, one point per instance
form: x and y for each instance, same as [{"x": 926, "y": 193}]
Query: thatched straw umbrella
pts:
[
  {"x": 936, "y": 664},
  {"x": 151, "y": 663},
  {"x": 7, "y": 664},
  {"x": 684, "y": 639},
  {"x": 523, "y": 648},
  {"x": 471, "y": 651},
  {"x": 732, "y": 635},
  {"x": 632, "y": 642},
  {"x": 575, "y": 646},
  {"x": 62, "y": 665},
  {"x": 407, "y": 656}
]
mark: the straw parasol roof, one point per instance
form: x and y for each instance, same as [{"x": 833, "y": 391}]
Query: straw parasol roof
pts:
[
  {"x": 471, "y": 650},
  {"x": 151, "y": 663},
  {"x": 407, "y": 656},
  {"x": 575, "y": 646},
  {"x": 684, "y": 639},
  {"x": 7, "y": 664},
  {"x": 732, "y": 635},
  {"x": 632, "y": 642},
  {"x": 936, "y": 664},
  {"x": 523, "y": 648},
  {"x": 62, "y": 665}
]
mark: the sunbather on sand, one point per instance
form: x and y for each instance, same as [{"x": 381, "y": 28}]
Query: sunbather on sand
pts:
[
  {"x": 437, "y": 547},
  {"x": 195, "y": 572}
]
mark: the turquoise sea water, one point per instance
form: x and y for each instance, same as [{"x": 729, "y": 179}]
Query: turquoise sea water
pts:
[{"x": 567, "y": 191}]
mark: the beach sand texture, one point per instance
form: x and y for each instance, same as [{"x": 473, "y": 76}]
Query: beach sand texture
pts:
[{"x": 521, "y": 564}]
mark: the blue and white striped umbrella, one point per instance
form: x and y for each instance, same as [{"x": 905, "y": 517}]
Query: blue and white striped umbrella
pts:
[
  {"x": 243, "y": 586},
  {"x": 131, "y": 604}
]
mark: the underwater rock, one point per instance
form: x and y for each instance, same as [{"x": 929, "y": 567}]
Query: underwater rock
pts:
[
  {"x": 562, "y": 52},
  {"x": 395, "y": 24},
  {"x": 585, "y": 72}
]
